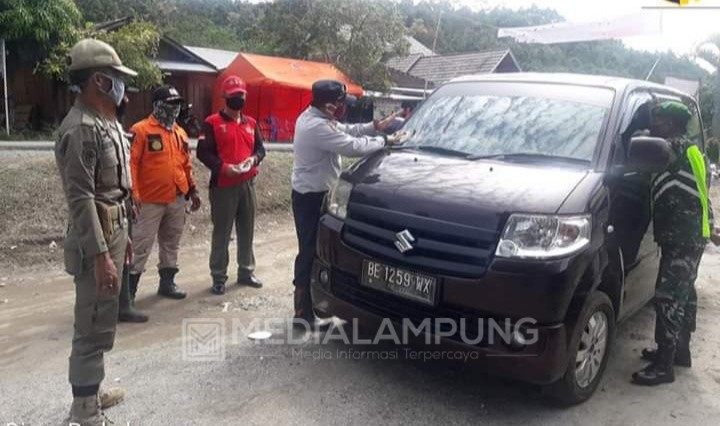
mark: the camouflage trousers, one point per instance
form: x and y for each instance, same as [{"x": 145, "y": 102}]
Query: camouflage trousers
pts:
[{"x": 675, "y": 295}]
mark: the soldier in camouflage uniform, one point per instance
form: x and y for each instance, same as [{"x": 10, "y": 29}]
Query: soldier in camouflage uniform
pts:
[
  {"x": 92, "y": 156},
  {"x": 678, "y": 224}
]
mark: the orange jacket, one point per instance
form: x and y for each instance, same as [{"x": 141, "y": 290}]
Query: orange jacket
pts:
[{"x": 160, "y": 162}]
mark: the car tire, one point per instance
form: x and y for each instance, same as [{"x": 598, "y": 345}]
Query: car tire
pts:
[{"x": 586, "y": 365}]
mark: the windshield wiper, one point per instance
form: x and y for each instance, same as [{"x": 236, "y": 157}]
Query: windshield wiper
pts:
[
  {"x": 527, "y": 156},
  {"x": 434, "y": 149}
]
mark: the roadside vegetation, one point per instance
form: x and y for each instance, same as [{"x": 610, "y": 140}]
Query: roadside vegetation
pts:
[{"x": 33, "y": 211}]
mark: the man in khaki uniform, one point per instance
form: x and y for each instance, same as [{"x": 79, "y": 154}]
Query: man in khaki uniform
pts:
[{"x": 92, "y": 156}]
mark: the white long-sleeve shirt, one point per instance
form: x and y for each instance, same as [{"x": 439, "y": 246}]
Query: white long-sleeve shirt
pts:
[{"x": 318, "y": 144}]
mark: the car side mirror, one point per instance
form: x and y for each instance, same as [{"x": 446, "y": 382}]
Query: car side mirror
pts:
[{"x": 648, "y": 155}]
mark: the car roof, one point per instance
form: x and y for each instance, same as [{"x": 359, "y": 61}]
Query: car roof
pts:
[{"x": 616, "y": 83}]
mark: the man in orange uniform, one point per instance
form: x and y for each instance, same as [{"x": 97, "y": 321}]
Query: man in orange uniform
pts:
[{"x": 162, "y": 183}]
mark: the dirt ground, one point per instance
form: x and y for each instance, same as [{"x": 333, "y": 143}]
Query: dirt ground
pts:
[
  {"x": 33, "y": 211},
  {"x": 273, "y": 385}
]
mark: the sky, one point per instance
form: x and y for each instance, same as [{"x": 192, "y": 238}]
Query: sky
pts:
[{"x": 683, "y": 28}]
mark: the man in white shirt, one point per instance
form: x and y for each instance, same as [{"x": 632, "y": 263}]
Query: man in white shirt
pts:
[{"x": 319, "y": 142}]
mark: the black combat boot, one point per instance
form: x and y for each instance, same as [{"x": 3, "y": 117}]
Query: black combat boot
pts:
[
  {"x": 682, "y": 353},
  {"x": 127, "y": 311},
  {"x": 659, "y": 371},
  {"x": 167, "y": 287}
]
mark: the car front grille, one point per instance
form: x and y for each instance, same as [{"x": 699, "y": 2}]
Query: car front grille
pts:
[{"x": 439, "y": 248}]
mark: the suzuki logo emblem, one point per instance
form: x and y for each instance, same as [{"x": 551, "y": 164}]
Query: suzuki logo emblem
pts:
[{"x": 403, "y": 241}]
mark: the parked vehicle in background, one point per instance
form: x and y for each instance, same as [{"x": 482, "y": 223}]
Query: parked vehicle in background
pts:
[{"x": 516, "y": 197}]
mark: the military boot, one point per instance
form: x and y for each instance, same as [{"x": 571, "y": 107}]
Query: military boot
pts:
[
  {"x": 659, "y": 371},
  {"x": 127, "y": 311},
  {"x": 167, "y": 287},
  {"x": 85, "y": 411},
  {"x": 110, "y": 397},
  {"x": 682, "y": 353}
]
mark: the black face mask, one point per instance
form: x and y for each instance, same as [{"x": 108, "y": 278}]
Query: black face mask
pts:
[{"x": 235, "y": 104}]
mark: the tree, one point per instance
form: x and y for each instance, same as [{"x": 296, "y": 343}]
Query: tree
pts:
[
  {"x": 222, "y": 24},
  {"x": 136, "y": 44},
  {"x": 710, "y": 52},
  {"x": 33, "y": 27},
  {"x": 98, "y": 11},
  {"x": 355, "y": 35},
  {"x": 41, "y": 32}
]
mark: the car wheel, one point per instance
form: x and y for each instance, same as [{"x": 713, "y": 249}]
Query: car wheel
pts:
[{"x": 589, "y": 350}]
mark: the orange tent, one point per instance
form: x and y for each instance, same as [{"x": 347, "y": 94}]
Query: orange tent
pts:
[{"x": 279, "y": 89}]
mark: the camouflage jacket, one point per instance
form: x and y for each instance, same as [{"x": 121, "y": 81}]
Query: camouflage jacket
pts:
[{"x": 677, "y": 211}]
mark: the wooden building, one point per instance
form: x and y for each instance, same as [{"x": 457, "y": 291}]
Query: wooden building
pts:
[{"x": 49, "y": 100}]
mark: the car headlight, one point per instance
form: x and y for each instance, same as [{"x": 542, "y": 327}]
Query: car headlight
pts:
[
  {"x": 339, "y": 198},
  {"x": 543, "y": 237}
]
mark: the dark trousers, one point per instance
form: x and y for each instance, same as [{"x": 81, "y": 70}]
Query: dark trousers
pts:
[
  {"x": 230, "y": 206},
  {"x": 307, "y": 209}
]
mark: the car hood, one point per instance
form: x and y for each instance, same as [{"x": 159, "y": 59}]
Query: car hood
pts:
[{"x": 478, "y": 193}]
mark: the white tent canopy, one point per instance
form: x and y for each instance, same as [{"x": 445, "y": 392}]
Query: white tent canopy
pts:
[{"x": 644, "y": 23}]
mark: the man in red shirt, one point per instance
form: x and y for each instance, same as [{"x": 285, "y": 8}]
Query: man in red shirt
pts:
[{"x": 231, "y": 146}]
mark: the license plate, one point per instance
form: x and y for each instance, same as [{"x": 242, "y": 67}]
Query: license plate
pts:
[{"x": 400, "y": 282}]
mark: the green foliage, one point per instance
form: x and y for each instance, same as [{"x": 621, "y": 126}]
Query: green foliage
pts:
[
  {"x": 201, "y": 31},
  {"x": 41, "y": 33},
  {"x": 33, "y": 27},
  {"x": 135, "y": 43},
  {"x": 355, "y": 35},
  {"x": 108, "y": 10},
  {"x": 43, "y": 22}
]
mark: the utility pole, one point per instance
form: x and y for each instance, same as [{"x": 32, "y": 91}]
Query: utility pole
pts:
[{"x": 3, "y": 56}]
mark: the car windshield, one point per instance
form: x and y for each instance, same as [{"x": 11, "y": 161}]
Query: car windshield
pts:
[{"x": 512, "y": 120}]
